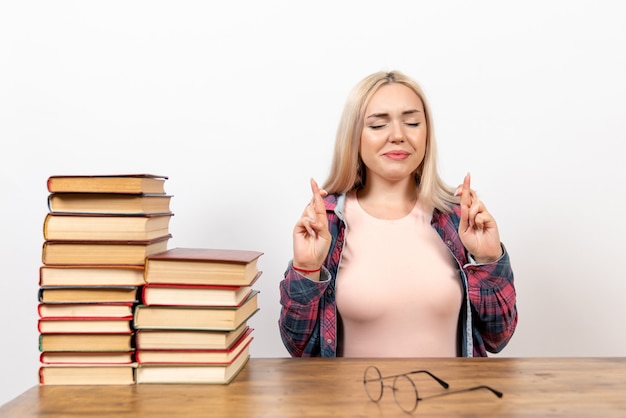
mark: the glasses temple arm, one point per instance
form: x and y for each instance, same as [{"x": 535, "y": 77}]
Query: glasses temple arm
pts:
[{"x": 492, "y": 390}]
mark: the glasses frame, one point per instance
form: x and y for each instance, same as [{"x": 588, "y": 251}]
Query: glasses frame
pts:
[{"x": 377, "y": 395}]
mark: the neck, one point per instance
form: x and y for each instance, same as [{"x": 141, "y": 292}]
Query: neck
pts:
[{"x": 386, "y": 200}]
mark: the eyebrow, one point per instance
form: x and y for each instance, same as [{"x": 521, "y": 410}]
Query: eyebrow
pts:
[{"x": 386, "y": 115}]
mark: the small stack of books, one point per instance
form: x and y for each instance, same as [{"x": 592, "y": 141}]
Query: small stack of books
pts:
[
  {"x": 97, "y": 233},
  {"x": 192, "y": 320}
]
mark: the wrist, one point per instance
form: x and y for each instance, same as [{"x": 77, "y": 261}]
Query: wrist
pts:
[
  {"x": 306, "y": 271},
  {"x": 488, "y": 259}
]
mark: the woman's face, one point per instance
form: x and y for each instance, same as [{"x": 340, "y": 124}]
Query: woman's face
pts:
[{"x": 393, "y": 139}]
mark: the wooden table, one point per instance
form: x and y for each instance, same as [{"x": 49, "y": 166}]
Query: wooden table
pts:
[{"x": 285, "y": 387}]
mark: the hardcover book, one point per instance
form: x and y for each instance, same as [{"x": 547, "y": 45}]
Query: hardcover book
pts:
[
  {"x": 105, "y": 227},
  {"x": 203, "y": 266},
  {"x": 94, "y": 275},
  {"x": 85, "y": 325},
  {"x": 87, "y": 357},
  {"x": 108, "y": 203},
  {"x": 82, "y": 310},
  {"x": 107, "y": 183},
  {"x": 90, "y": 294},
  {"x": 195, "y": 356},
  {"x": 86, "y": 342},
  {"x": 195, "y": 317},
  {"x": 87, "y": 374},
  {"x": 192, "y": 373},
  {"x": 101, "y": 252},
  {"x": 193, "y": 295},
  {"x": 182, "y": 339}
]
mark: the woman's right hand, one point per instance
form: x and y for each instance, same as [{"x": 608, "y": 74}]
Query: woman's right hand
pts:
[{"x": 311, "y": 238}]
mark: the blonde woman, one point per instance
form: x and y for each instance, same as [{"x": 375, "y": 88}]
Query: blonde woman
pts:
[{"x": 388, "y": 260}]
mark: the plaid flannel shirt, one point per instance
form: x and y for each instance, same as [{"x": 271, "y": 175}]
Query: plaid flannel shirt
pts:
[{"x": 308, "y": 317}]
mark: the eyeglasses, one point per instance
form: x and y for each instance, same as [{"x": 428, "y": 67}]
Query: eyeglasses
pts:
[{"x": 404, "y": 390}]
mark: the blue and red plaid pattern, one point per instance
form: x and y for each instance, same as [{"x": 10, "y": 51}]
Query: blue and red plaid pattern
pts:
[{"x": 308, "y": 317}]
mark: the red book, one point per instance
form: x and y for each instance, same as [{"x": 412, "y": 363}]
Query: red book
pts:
[
  {"x": 195, "y": 356},
  {"x": 86, "y": 342},
  {"x": 184, "y": 339},
  {"x": 87, "y": 357},
  {"x": 83, "y": 310},
  {"x": 203, "y": 373},
  {"x": 194, "y": 295},
  {"x": 85, "y": 325}
]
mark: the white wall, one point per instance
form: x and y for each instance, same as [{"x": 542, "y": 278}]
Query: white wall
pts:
[{"x": 237, "y": 102}]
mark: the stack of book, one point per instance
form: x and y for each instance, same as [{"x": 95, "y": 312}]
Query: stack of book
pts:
[
  {"x": 192, "y": 321},
  {"x": 97, "y": 233}
]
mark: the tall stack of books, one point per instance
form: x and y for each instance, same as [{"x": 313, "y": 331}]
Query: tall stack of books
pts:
[
  {"x": 192, "y": 320},
  {"x": 97, "y": 234}
]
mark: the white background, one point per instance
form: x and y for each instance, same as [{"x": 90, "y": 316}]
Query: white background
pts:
[{"x": 237, "y": 102}]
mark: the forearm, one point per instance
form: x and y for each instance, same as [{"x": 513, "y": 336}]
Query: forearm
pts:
[
  {"x": 299, "y": 315},
  {"x": 493, "y": 297}
]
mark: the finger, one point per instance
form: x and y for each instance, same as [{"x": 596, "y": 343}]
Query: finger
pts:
[
  {"x": 308, "y": 222},
  {"x": 466, "y": 191},
  {"x": 466, "y": 202},
  {"x": 317, "y": 200},
  {"x": 476, "y": 209},
  {"x": 318, "y": 205},
  {"x": 484, "y": 220},
  {"x": 305, "y": 225},
  {"x": 481, "y": 220}
]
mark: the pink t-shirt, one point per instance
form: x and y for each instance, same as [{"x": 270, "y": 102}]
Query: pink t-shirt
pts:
[{"x": 398, "y": 290}]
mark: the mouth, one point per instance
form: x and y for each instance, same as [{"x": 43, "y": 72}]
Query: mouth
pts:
[{"x": 397, "y": 155}]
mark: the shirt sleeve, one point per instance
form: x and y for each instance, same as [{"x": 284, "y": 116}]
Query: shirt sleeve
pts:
[
  {"x": 300, "y": 299},
  {"x": 493, "y": 299}
]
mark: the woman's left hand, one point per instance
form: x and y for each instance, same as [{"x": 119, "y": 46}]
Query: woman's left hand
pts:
[{"x": 477, "y": 229}]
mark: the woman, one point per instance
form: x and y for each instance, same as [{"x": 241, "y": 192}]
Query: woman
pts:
[{"x": 389, "y": 261}]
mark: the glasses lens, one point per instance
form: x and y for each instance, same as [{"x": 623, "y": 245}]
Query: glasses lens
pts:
[
  {"x": 405, "y": 393},
  {"x": 373, "y": 382}
]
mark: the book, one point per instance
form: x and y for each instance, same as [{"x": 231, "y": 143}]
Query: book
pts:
[
  {"x": 192, "y": 373},
  {"x": 85, "y": 325},
  {"x": 87, "y": 357},
  {"x": 178, "y": 339},
  {"x": 83, "y": 310},
  {"x": 195, "y": 317},
  {"x": 91, "y": 294},
  {"x": 203, "y": 266},
  {"x": 110, "y": 203},
  {"x": 194, "y": 356},
  {"x": 87, "y": 374},
  {"x": 105, "y": 227},
  {"x": 107, "y": 183},
  {"x": 86, "y": 342},
  {"x": 193, "y": 295},
  {"x": 95, "y": 275},
  {"x": 101, "y": 252}
]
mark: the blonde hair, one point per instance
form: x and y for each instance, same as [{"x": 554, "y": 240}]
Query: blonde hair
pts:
[{"x": 347, "y": 169}]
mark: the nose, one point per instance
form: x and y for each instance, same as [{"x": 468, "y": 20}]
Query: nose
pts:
[{"x": 397, "y": 133}]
